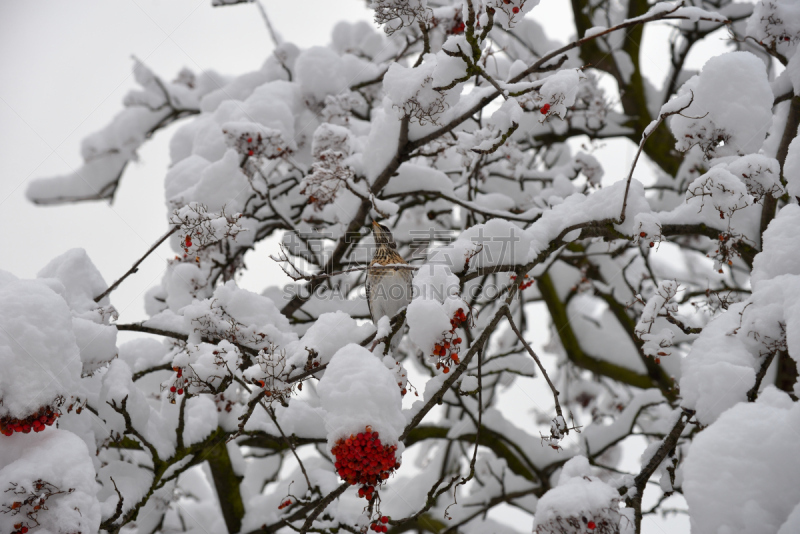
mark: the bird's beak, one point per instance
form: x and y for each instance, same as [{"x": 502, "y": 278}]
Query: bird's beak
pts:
[{"x": 374, "y": 223}]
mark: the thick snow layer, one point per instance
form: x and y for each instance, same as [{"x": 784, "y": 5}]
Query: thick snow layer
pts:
[
  {"x": 412, "y": 177},
  {"x": 559, "y": 90},
  {"x": 358, "y": 390},
  {"x": 740, "y": 475},
  {"x": 791, "y": 168},
  {"x": 781, "y": 248},
  {"x": 719, "y": 370},
  {"x": 732, "y": 103},
  {"x": 254, "y": 315},
  {"x": 435, "y": 303},
  {"x": 81, "y": 279},
  {"x": 60, "y": 459},
  {"x": 579, "y": 495},
  {"x": 721, "y": 367},
  {"x": 107, "y": 152},
  {"x": 329, "y": 333},
  {"x": 38, "y": 353}
]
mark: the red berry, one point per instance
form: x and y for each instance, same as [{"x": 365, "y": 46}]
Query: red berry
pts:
[
  {"x": 545, "y": 109},
  {"x": 384, "y": 519},
  {"x": 23, "y": 530},
  {"x": 446, "y": 369},
  {"x": 642, "y": 234},
  {"x": 515, "y": 9},
  {"x": 249, "y": 139},
  {"x": 590, "y": 525},
  {"x": 652, "y": 244},
  {"x": 173, "y": 389},
  {"x": 180, "y": 391},
  {"x": 250, "y": 152}
]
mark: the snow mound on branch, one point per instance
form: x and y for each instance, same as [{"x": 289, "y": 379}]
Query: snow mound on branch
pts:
[
  {"x": 321, "y": 71},
  {"x": 781, "y": 247},
  {"x": 238, "y": 315},
  {"x": 776, "y": 24},
  {"x": 60, "y": 459},
  {"x": 107, "y": 152},
  {"x": 740, "y": 475},
  {"x": 732, "y": 105},
  {"x": 412, "y": 177},
  {"x": 81, "y": 279},
  {"x": 329, "y": 333},
  {"x": 436, "y": 300},
  {"x": 77, "y": 280},
  {"x": 791, "y": 169},
  {"x": 578, "y": 499},
  {"x": 218, "y": 185},
  {"x": 721, "y": 367},
  {"x": 496, "y": 242},
  {"x": 38, "y": 353},
  {"x": 559, "y": 90},
  {"x": 358, "y": 390}
]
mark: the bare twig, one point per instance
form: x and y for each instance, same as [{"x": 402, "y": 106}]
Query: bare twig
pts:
[
  {"x": 536, "y": 359},
  {"x": 135, "y": 266}
]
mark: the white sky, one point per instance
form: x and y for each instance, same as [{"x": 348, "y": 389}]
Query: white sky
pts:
[{"x": 64, "y": 69}]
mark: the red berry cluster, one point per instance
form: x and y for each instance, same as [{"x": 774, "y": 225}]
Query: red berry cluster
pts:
[
  {"x": 644, "y": 234},
  {"x": 36, "y": 422},
  {"x": 380, "y": 524},
  {"x": 525, "y": 285},
  {"x": 270, "y": 145},
  {"x": 447, "y": 350},
  {"x": 179, "y": 384},
  {"x": 514, "y": 9},
  {"x": 363, "y": 459},
  {"x": 19, "y": 528},
  {"x": 545, "y": 109},
  {"x": 458, "y": 28},
  {"x": 186, "y": 245},
  {"x": 284, "y": 504}
]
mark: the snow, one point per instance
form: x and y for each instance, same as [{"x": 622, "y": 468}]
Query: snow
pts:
[
  {"x": 107, "y": 152},
  {"x": 741, "y": 472},
  {"x": 732, "y": 101},
  {"x": 595, "y": 30},
  {"x": 356, "y": 391},
  {"x": 413, "y": 177},
  {"x": 37, "y": 346},
  {"x": 559, "y": 90},
  {"x": 200, "y": 419},
  {"x": 791, "y": 168},
  {"x": 81, "y": 279},
  {"x": 781, "y": 246},
  {"x": 329, "y": 333},
  {"x": 26, "y": 459},
  {"x": 579, "y": 495}
]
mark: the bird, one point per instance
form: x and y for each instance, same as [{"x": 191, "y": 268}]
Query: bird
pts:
[{"x": 388, "y": 290}]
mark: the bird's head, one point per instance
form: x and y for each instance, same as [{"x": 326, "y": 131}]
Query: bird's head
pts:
[{"x": 383, "y": 237}]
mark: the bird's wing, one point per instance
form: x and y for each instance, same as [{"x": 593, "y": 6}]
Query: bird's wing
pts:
[{"x": 369, "y": 302}]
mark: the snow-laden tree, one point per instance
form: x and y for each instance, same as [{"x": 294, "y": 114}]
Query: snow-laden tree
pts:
[{"x": 672, "y": 307}]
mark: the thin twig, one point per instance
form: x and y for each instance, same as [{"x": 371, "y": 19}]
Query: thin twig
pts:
[
  {"x": 274, "y": 36},
  {"x": 288, "y": 442},
  {"x": 135, "y": 267},
  {"x": 645, "y": 136},
  {"x": 536, "y": 359}
]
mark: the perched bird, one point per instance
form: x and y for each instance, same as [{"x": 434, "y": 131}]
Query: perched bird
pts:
[{"x": 388, "y": 290}]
